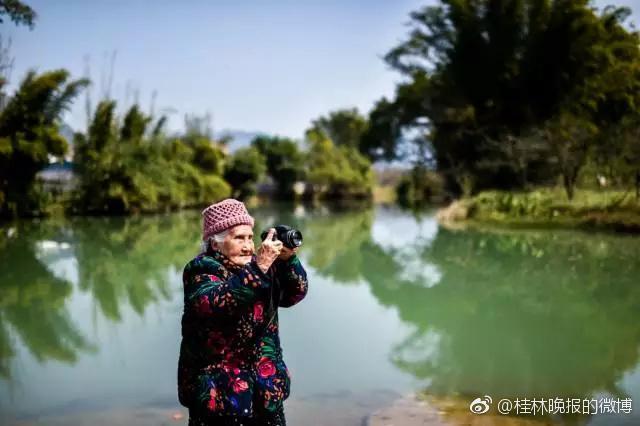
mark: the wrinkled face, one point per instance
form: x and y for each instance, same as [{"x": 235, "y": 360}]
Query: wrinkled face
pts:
[{"x": 238, "y": 244}]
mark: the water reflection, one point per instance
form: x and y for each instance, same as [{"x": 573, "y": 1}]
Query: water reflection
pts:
[
  {"x": 33, "y": 301},
  {"x": 535, "y": 314},
  {"x": 125, "y": 261},
  {"x": 522, "y": 314},
  {"x": 119, "y": 262}
]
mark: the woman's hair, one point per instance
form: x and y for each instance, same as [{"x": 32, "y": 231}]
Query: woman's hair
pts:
[{"x": 216, "y": 238}]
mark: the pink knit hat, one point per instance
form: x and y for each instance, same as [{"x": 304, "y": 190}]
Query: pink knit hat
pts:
[{"x": 224, "y": 215}]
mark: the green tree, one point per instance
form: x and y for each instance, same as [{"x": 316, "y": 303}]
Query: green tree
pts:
[
  {"x": 570, "y": 139},
  {"x": 337, "y": 172},
  {"x": 134, "y": 125},
  {"x": 419, "y": 187},
  {"x": 127, "y": 168},
  {"x": 481, "y": 72},
  {"x": 244, "y": 170},
  {"x": 379, "y": 140},
  {"x": 95, "y": 160},
  {"x": 18, "y": 12},
  {"x": 29, "y": 135},
  {"x": 617, "y": 154},
  {"x": 207, "y": 152},
  {"x": 344, "y": 127},
  {"x": 284, "y": 162},
  {"x": 630, "y": 140},
  {"x": 207, "y": 156}
]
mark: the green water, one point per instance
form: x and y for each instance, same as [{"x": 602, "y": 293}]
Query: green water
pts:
[{"x": 90, "y": 311}]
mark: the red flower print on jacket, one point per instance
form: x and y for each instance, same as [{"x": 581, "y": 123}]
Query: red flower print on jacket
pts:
[
  {"x": 266, "y": 367},
  {"x": 240, "y": 385},
  {"x": 258, "y": 310},
  {"x": 212, "y": 401}
]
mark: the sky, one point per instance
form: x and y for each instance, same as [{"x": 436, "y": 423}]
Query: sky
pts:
[{"x": 266, "y": 66}]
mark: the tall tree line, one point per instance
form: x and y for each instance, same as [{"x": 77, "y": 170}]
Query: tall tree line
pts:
[{"x": 511, "y": 93}]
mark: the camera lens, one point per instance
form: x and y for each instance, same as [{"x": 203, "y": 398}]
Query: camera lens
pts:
[
  {"x": 295, "y": 238},
  {"x": 290, "y": 237}
]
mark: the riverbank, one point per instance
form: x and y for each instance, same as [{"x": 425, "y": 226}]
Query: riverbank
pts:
[{"x": 590, "y": 209}]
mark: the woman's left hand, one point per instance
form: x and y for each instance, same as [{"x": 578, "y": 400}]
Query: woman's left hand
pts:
[{"x": 286, "y": 253}]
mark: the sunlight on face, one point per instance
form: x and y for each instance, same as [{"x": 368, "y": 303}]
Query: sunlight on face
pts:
[{"x": 238, "y": 244}]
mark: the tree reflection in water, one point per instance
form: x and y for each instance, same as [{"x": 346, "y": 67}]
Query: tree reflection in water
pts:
[
  {"x": 127, "y": 261},
  {"x": 535, "y": 314},
  {"x": 33, "y": 301},
  {"x": 121, "y": 262}
]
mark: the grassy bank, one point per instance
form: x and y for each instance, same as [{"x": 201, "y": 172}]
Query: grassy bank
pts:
[{"x": 601, "y": 209}]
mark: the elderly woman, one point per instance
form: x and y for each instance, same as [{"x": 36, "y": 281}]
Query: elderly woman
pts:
[{"x": 231, "y": 370}]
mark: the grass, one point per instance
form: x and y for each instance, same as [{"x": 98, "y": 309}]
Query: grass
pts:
[{"x": 610, "y": 209}]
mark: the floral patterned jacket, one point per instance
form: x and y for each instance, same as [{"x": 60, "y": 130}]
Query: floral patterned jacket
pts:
[{"x": 230, "y": 356}]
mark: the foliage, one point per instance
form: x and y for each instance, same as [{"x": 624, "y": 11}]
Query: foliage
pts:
[
  {"x": 284, "y": 162},
  {"x": 616, "y": 155},
  {"x": 491, "y": 86},
  {"x": 344, "y": 127},
  {"x": 244, "y": 170},
  {"x": 337, "y": 171},
  {"x": 379, "y": 140},
  {"x": 134, "y": 126},
  {"x": 207, "y": 152},
  {"x": 29, "y": 135},
  {"x": 419, "y": 187},
  {"x": 610, "y": 209},
  {"x": 569, "y": 138},
  {"x": 19, "y": 12},
  {"x": 124, "y": 169},
  {"x": 338, "y": 164}
]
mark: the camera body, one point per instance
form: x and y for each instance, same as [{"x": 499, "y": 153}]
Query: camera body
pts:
[{"x": 290, "y": 237}]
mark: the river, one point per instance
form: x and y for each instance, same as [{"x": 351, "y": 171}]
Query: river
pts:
[{"x": 90, "y": 317}]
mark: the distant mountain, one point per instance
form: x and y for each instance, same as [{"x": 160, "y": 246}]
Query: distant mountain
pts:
[{"x": 239, "y": 138}]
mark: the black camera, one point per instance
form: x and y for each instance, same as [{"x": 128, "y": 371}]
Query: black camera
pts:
[{"x": 291, "y": 238}]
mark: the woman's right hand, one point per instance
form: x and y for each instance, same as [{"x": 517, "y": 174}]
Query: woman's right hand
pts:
[{"x": 268, "y": 251}]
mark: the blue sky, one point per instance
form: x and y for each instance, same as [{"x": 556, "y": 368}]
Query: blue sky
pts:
[{"x": 270, "y": 66}]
